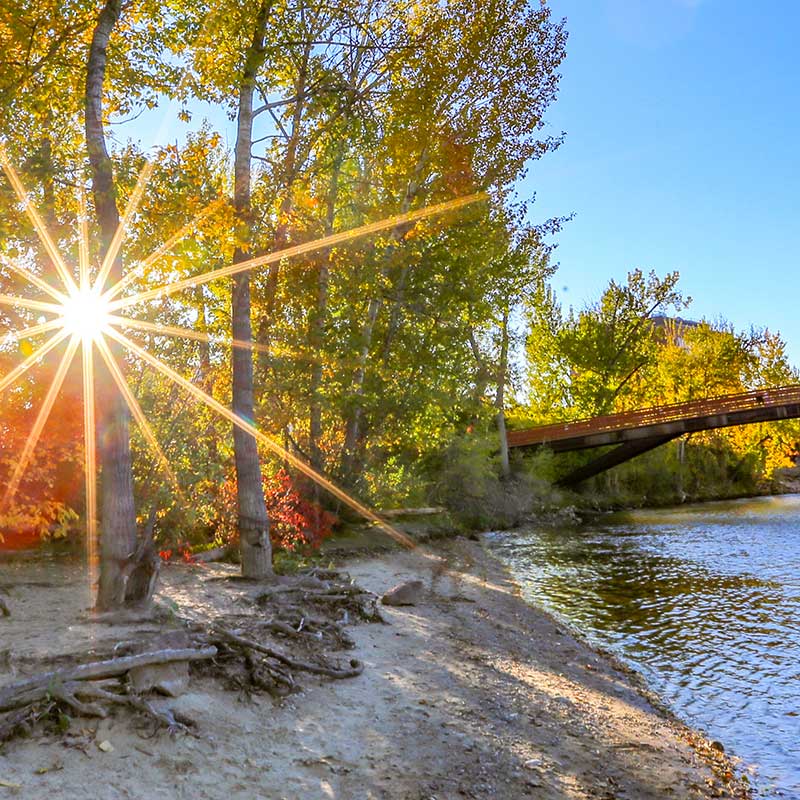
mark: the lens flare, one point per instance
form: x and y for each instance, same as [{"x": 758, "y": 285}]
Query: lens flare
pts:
[{"x": 85, "y": 314}]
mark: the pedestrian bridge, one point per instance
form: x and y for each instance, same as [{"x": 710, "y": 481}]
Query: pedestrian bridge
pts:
[{"x": 636, "y": 432}]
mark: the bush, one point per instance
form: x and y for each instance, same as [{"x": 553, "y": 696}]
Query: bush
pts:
[
  {"x": 297, "y": 524},
  {"x": 470, "y": 486}
]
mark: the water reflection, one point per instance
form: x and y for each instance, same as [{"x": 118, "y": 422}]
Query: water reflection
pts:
[{"x": 704, "y": 600}]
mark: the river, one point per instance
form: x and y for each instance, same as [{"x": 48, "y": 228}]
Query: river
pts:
[{"x": 703, "y": 600}]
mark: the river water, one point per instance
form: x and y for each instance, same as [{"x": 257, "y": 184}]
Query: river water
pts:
[{"x": 704, "y": 601}]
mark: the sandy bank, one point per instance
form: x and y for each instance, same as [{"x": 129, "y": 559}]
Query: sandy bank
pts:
[{"x": 470, "y": 694}]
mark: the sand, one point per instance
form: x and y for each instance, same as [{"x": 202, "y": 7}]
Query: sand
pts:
[{"x": 471, "y": 693}]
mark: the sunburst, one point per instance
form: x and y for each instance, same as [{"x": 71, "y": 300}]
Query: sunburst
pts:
[{"x": 88, "y": 316}]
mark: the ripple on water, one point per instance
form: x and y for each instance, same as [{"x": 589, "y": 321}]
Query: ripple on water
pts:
[{"x": 704, "y": 600}]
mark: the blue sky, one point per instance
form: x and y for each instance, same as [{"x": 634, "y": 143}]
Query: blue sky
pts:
[{"x": 682, "y": 121}]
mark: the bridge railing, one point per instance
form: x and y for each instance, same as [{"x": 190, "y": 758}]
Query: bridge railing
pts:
[{"x": 759, "y": 398}]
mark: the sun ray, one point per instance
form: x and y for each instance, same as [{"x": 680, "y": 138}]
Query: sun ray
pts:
[
  {"x": 32, "y": 360},
  {"x": 33, "y": 305},
  {"x": 83, "y": 242},
  {"x": 176, "y": 332},
  {"x": 37, "y": 281},
  {"x": 119, "y": 235},
  {"x": 41, "y": 421},
  {"x": 185, "y": 333},
  {"x": 90, "y": 459},
  {"x": 273, "y": 446},
  {"x": 138, "y": 414},
  {"x": 300, "y": 249},
  {"x": 34, "y": 330},
  {"x": 35, "y": 218},
  {"x": 136, "y": 270}
]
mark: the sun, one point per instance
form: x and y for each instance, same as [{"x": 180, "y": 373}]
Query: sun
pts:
[
  {"x": 88, "y": 314},
  {"x": 85, "y": 314}
]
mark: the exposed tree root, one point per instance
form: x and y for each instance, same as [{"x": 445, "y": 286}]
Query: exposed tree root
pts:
[
  {"x": 31, "y": 690},
  {"x": 328, "y": 593},
  {"x": 39, "y": 687},
  {"x": 260, "y": 651},
  {"x": 230, "y": 638}
]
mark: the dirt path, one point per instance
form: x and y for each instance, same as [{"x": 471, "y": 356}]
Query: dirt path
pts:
[{"x": 470, "y": 694}]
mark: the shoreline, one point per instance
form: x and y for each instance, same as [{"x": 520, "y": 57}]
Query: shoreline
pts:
[
  {"x": 711, "y": 751},
  {"x": 590, "y": 514},
  {"x": 471, "y": 693}
]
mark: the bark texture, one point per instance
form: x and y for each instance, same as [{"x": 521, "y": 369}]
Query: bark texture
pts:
[
  {"x": 118, "y": 513},
  {"x": 252, "y": 520},
  {"x": 316, "y": 332}
]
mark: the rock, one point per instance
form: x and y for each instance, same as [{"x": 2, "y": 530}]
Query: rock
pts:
[
  {"x": 404, "y": 594},
  {"x": 215, "y": 554},
  {"x": 106, "y": 746},
  {"x": 718, "y": 746},
  {"x": 171, "y": 679},
  {"x": 533, "y": 763}
]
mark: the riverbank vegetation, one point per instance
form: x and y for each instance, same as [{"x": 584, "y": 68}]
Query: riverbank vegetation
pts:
[
  {"x": 370, "y": 356},
  {"x": 631, "y": 350},
  {"x": 391, "y": 364}
]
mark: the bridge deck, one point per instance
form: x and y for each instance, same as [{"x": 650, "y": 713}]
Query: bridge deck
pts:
[{"x": 671, "y": 420}]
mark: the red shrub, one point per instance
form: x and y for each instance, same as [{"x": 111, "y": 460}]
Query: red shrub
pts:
[{"x": 296, "y": 523}]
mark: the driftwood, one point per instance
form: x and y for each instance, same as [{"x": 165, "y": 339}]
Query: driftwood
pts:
[
  {"x": 427, "y": 511},
  {"x": 37, "y": 688}
]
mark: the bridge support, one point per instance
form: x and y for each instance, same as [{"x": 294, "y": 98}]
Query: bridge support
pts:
[{"x": 618, "y": 455}]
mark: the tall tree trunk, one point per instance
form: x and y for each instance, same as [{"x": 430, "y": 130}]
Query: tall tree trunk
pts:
[
  {"x": 252, "y": 521},
  {"x": 206, "y": 375},
  {"x": 290, "y": 172},
  {"x": 118, "y": 513},
  {"x": 482, "y": 374},
  {"x": 316, "y": 332},
  {"x": 292, "y": 164},
  {"x": 353, "y": 421},
  {"x": 499, "y": 400}
]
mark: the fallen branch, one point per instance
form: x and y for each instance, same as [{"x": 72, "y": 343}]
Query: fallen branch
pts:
[
  {"x": 426, "y": 511},
  {"x": 38, "y": 687}
]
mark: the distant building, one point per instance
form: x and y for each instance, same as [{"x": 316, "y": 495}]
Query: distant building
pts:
[{"x": 672, "y": 328}]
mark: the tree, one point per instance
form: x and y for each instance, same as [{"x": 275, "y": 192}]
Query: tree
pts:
[
  {"x": 345, "y": 113},
  {"x": 452, "y": 125},
  {"x": 253, "y": 522},
  {"x": 607, "y": 346},
  {"x": 118, "y": 562}
]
